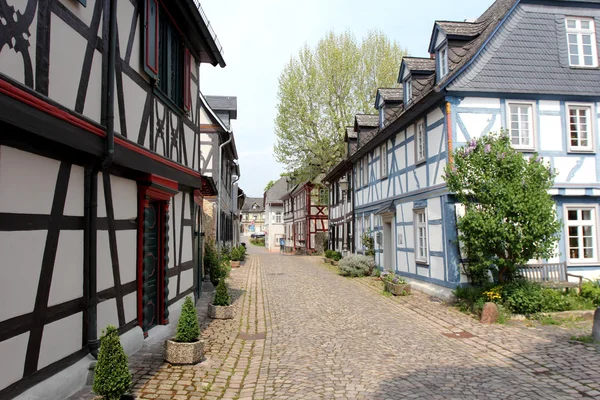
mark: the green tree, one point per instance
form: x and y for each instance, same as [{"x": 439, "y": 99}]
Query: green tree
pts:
[
  {"x": 322, "y": 89},
  {"x": 509, "y": 216},
  {"x": 111, "y": 374},
  {"x": 187, "y": 327}
]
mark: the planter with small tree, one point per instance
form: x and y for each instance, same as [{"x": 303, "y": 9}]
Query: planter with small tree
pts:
[
  {"x": 185, "y": 348},
  {"x": 236, "y": 257},
  {"x": 395, "y": 284},
  {"x": 112, "y": 378},
  {"x": 221, "y": 307}
]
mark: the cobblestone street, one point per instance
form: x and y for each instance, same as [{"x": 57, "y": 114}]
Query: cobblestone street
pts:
[{"x": 303, "y": 332}]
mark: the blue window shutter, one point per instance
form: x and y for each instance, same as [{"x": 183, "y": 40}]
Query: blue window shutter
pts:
[
  {"x": 83, "y": 2},
  {"x": 151, "y": 38}
]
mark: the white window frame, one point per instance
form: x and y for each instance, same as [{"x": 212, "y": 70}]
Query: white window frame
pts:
[
  {"x": 420, "y": 140},
  {"x": 407, "y": 90},
  {"x": 278, "y": 217},
  {"x": 591, "y": 127},
  {"x": 580, "y": 32},
  {"x": 442, "y": 57},
  {"x": 532, "y": 124},
  {"x": 594, "y": 224},
  {"x": 421, "y": 253},
  {"x": 365, "y": 171},
  {"x": 383, "y": 164}
]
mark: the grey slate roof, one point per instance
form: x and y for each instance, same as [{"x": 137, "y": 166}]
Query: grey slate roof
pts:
[
  {"x": 529, "y": 55},
  {"x": 391, "y": 94},
  {"x": 250, "y": 201},
  {"x": 223, "y": 103},
  {"x": 367, "y": 120},
  {"x": 417, "y": 64},
  {"x": 276, "y": 192},
  {"x": 350, "y": 133},
  {"x": 466, "y": 29}
]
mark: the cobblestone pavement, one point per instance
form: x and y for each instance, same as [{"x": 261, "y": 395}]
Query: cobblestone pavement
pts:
[{"x": 303, "y": 332}]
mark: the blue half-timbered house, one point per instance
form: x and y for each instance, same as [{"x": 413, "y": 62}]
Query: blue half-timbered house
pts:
[{"x": 530, "y": 67}]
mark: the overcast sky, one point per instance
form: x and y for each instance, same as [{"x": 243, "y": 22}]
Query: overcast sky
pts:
[{"x": 260, "y": 36}]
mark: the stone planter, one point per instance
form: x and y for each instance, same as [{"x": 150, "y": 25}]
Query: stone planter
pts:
[
  {"x": 326, "y": 260},
  {"x": 334, "y": 263},
  {"x": 235, "y": 264},
  {"x": 220, "y": 312},
  {"x": 183, "y": 353},
  {"x": 397, "y": 289}
]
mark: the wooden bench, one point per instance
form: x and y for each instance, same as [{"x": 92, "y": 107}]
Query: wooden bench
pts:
[{"x": 552, "y": 275}]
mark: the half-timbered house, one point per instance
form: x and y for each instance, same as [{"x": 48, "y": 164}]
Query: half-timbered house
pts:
[
  {"x": 274, "y": 227},
  {"x": 100, "y": 179},
  {"x": 530, "y": 67}
]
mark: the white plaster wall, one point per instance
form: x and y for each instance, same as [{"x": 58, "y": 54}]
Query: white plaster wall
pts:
[
  {"x": 204, "y": 118},
  {"x": 187, "y": 280},
  {"x": 480, "y": 102},
  {"x": 436, "y": 141},
  {"x": 477, "y": 123},
  {"x": 127, "y": 250},
  {"x": 130, "y": 306},
  {"x": 60, "y": 339},
  {"x": 590, "y": 273},
  {"x": 172, "y": 287},
  {"x": 436, "y": 264},
  {"x": 551, "y": 133},
  {"x": 125, "y": 199},
  {"x": 436, "y": 238},
  {"x": 67, "y": 277},
  {"x": 135, "y": 99},
  {"x": 587, "y": 172},
  {"x": 189, "y": 147},
  {"x": 26, "y": 176},
  {"x": 434, "y": 116},
  {"x": 104, "y": 264},
  {"x": 11, "y": 62},
  {"x": 434, "y": 208},
  {"x": 93, "y": 97},
  {"x": 421, "y": 172},
  {"x": 160, "y": 111},
  {"x": 563, "y": 166},
  {"x": 22, "y": 254},
  {"x": 124, "y": 14},
  {"x": 66, "y": 62},
  {"x": 107, "y": 315},
  {"x": 187, "y": 250},
  {"x": 12, "y": 361},
  {"x": 84, "y": 13},
  {"x": 75, "y": 193}
]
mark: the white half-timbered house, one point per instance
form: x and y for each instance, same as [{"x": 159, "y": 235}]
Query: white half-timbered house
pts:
[
  {"x": 100, "y": 179},
  {"x": 530, "y": 67}
]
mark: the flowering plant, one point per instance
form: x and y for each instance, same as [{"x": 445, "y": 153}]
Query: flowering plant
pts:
[
  {"x": 494, "y": 294},
  {"x": 389, "y": 276}
]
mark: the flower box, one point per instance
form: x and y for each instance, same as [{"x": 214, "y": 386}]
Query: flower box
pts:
[
  {"x": 235, "y": 264},
  {"x": 397, "y": 289}
]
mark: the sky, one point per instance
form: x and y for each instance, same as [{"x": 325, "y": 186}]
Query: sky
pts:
[{"x": 259, "y": 37}]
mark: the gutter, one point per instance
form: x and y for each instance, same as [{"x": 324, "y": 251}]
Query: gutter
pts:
[{"x": 110, "y": 87}]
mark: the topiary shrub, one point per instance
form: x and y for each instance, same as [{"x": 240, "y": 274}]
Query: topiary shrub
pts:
[
  {"x": 112, "y": 378},
  {"x": 222, "y": 297},
  {"x": 242, "y": 250},
  {"x": 187, "y": 327},
  {"x": 236, "y": 255},
  {"x": 356, "y": 265},
  {"x": 329, "y": 253},
  {"x": 336, "y": 256}
]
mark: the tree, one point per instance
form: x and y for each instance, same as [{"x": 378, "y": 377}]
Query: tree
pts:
[
  {"x": 322, "y": 89},
  {"x": 509, "y": 216}
]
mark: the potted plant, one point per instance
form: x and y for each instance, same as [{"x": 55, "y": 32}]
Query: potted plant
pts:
[
  {"x": 221, "y": 307},
  {"x": 235, "y": 256},
  {"x": 242, "y": 250},
  {"x": 185, "y": 348},
  {"x": 328, "y": 254},
  {"x": 112, "y": 378},
  {"x": 335, "y": 257},
  {"x": 395, "y": 284}
]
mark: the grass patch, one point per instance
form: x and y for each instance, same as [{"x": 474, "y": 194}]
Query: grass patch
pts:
[{"x": 584, "y": 339}]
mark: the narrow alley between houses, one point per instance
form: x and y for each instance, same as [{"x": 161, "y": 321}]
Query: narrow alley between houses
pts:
[{"x": 303, "y": 332}]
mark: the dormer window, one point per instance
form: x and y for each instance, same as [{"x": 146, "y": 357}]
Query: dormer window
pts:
[
  {"x": 581, "y": 39},
  {"x": 407, "y": 90},
  {"x": 442, "y": 57},
  {"x": 381, "y": 116}
]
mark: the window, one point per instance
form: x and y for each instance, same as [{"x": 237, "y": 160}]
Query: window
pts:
[
  {"x": 420, "y": 154},
  {"x": 383, "y": 162},
  {"x": 421, "y": 240},
  {"x": 520, "y": 123},
  {"x": 278, "y": 217},
  {"x": 580, "y": 128},
  {"x": 581, "y": 230},
  {"x": 407, "y": 90},
  {"x": 365, "y": 171},
  {"x": 443, "y": 61},
  {"x": 581, "y": 39},
  {"x": 381, "y": 116}
]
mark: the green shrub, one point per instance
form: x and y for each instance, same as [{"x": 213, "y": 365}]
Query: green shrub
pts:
[
  {"x": 112, "y": 378},
  {"x": 222, "y": 297},
  {"x": 376, "y": 272},
  {"x": 258, "y": 242},
  {"x": 187, "y": 327},
  {"x": 336, "y": 256},
  {"x": 242, "y": 250},
  {"x": 470, "y": 298},
  {"x": 524, "y": 297},
  {"x": 591, "y": 291},
  {"x": 368, "y": 243},
  {"x": 236, "y": 255},
  {"x": 329, "y": 253},
  {"x": 356, "y": 265}
]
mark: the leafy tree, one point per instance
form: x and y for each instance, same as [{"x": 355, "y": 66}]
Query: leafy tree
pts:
[
  {"x": 322, "y": 89},
  {"x": 187, "y": 327},
  {"x": 509, "y": 215},
  {"x": 112, "y": 378}
]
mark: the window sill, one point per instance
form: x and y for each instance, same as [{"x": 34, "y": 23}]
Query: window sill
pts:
[
  {"x": 590, "y": 264},
  {"x": 583, "y": 67},
  {"x": 419, "y": 162},
  {"x": 384, "y": 177},
  {"x": 421, "y": 263},
  {"x": 525, "y": 149},
  {"x": 581, "y": 151}
]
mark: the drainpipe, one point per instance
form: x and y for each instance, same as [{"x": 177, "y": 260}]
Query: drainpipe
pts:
[
  {"x": 110, "y": 87},
  {"x": 233, "y": 201},
  {"x": 219, "y": 194},
  {"x": 90, "y": 251}
]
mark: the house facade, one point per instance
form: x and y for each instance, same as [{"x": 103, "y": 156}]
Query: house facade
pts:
[
  {"x": 305, "y": 217},
  {"x": 541, "y": 84},
  {"x": 274, "y": 227},
  {"x": 101, "y": 184},
  {"x": 218, "y": 160},
  {"x": 253, "y": 216}
]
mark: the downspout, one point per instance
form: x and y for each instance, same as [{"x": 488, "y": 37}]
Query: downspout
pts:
[
  {"x": 219, "y": 194},
  {"x": 90, "y": 251},
  {"x": 449, "y": 130},
  {"x": 233, "y": 201},
  {"x": 110, "y": 87}
]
